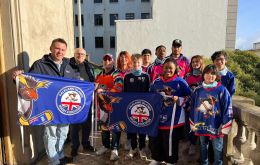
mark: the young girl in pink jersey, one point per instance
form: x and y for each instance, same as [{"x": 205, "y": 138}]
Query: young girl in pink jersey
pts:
[{"x": 194, "y": 79}]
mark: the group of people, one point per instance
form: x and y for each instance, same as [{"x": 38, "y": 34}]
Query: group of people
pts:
[{"x": 193, "y": 95}]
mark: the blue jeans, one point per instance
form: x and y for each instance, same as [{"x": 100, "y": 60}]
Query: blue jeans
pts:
[
  {"x": 54, "y": 138},
  {"x": 217, "y": 144},
  {"x": 115, "y": 140}
]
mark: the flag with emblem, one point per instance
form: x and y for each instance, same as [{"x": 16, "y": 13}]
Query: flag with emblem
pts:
[
  {"x": 44, "y": 99},
  {"x": 134, "y": 112}
]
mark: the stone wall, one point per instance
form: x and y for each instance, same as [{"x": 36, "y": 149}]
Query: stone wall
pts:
[{"x": 27, "y": 29}]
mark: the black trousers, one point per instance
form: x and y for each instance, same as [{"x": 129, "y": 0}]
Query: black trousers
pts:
[
  {"x": 86, "y": 129},
  {"x": 160, "y": 145},
  {"x": 133, "y": 138}
]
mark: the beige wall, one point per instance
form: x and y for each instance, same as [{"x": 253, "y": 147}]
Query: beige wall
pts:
[
  {"x": 27, "y": 29},
  {"x": 201, "y": 25}
]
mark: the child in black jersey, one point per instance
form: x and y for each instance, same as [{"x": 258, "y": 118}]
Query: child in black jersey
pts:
[{"x": 136, "y": 81}]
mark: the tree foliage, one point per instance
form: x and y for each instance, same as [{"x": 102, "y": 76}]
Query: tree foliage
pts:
[{"x": 246, "y": 67}]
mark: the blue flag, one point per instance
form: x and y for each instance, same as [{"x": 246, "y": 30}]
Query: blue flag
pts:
[
  {"x": 132, "y": 112},
  {"x": 44, "y": 99}
]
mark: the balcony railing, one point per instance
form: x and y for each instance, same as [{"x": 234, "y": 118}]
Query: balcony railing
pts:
[{"x": 243, "y": 142}]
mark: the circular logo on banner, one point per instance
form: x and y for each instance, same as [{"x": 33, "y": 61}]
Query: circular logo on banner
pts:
[
  {"x": 140, "y": 113},
  {"x": 70, "y": 100}
]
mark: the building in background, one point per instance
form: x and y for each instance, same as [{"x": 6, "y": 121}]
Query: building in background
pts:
[
  {"x": 204, "y": 26},
  {"x": 98, "y": 23},
  {"x": 256, "y": 46}
]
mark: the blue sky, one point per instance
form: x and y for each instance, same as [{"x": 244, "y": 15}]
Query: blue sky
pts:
[{"x": 248, "y": 24}]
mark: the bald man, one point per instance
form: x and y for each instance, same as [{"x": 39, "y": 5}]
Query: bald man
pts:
[{"x": 85, "y": 72}]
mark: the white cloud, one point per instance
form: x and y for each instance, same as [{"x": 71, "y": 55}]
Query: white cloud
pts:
[{"x": 246, "y": 42}]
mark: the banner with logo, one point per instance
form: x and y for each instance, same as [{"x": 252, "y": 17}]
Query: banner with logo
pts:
[
  {"x": 132, "y": 112},
  {"x": 46, "y": 100}
]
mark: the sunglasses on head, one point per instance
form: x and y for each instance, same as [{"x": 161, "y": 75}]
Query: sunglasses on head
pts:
[{"x": 107, "y": 58}]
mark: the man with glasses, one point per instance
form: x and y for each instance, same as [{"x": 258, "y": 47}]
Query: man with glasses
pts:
[{"x": 85, "y": 72}]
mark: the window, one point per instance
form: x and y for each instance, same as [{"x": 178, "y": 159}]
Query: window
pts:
[
  {"x": 97, "y": 1},
  {"x": 83, "y": 42},
  {"x": 130, "y": 16},
  {"x": 76, "y": 20},
  {"x": 82, "y": 20},
  {"x": 98, "y": 42},
  {"x": 112, "y": 42},
  {"x": 112, "y": 1},
  {"x": 113, "y": 17},
  {"x": 145, "y": 16},
  {"x": 145, "y": 0},
  {"x": 77, "y": 42},
  {"x": 76, "y": 1},
  {"x": 98, "y": 19}
]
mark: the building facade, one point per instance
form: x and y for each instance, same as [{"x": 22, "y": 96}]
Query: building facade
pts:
[
  {"x": 204, "y": 26},
  {"x": 98, "y": 23}
]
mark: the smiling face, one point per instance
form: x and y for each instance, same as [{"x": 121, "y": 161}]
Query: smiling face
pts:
[
  {"x": 209, "y": 77},
  {"x": 80, "y": 55},
  {"x": 108, "y": 62},
  {"x": 220, "y": 62},
  {"x": 58, "y": 51},
  {"x": 169, "y": 69},
  {"x": 123, "y": 60},
  {"x": 196, "y": 63},
  {"x": 137, "y": 63},
  {"x": 161, "y": 52}
]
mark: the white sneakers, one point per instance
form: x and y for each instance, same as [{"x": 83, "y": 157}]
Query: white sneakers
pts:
[
  {"x": 127, "y": 145},
  {"x": 142, "y": 154},
  {"x": 154, "y": 162},
  {"x": 131, "y": 153},
  {"x": 102, "y": 150},
  {"x": 114, "y": 155}
]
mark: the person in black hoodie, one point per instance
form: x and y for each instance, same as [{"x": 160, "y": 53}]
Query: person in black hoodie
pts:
[{"x": 85, "y": 72}]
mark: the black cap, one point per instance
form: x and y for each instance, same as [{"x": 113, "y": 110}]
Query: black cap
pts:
[{"x": 177, "y": 42}]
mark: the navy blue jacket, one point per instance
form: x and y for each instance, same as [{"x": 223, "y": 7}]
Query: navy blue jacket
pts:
[{"x": 46, "y": 66}]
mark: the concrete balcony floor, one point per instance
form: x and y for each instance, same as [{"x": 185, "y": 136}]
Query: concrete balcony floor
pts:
[{"x": 91, "y": 158}]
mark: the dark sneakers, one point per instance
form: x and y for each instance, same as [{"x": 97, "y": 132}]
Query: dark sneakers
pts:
[
  {"x": 74, "y": 152},
  {"x": 89, "y": 148},
  {"x": 66, "y": 159}
]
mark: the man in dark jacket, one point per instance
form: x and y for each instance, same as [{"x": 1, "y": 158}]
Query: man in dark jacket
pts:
[
  {"x": 85, "y": 73},
  {"x": 54, "y": 64}
]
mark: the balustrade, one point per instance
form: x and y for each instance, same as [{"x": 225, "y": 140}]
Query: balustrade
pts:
[{"x": 243, "y": 144}]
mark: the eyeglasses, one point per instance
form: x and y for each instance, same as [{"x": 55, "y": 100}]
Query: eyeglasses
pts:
[{"x": 107, "y": 58}]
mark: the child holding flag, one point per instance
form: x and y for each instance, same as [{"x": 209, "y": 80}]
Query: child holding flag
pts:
[
  {"x": 165, "y": 146},
  {"x": 137, "y": 81}
]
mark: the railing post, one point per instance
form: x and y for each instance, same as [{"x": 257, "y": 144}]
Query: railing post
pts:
[
  {"x": 255, "y": 154},
  {"x": 239, "y": 141}
]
